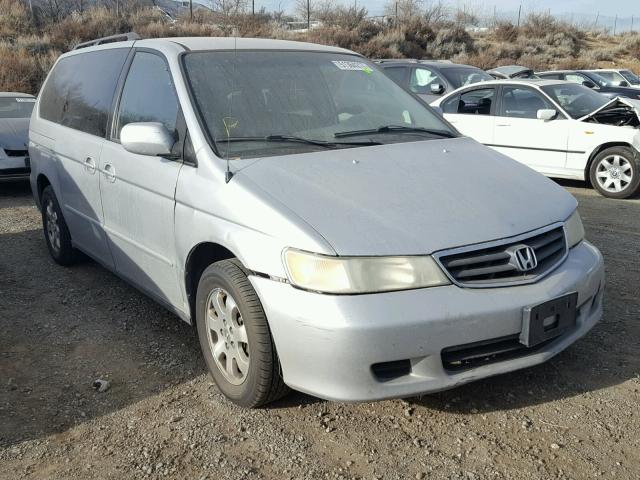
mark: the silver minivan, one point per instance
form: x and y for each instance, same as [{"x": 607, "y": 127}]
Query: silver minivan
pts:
[{"x": 320, "y": 227}]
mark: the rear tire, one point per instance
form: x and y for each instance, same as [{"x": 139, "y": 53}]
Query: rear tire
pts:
[
  {"x": 235, "y": 338},
  {"x": 56, "y": 232},
  {"x": 615, "y": 172}
]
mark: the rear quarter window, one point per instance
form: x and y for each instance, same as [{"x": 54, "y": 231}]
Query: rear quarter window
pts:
[{"x": 79, "y": 91}]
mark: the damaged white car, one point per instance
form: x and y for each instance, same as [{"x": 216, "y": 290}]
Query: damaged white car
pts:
[{"x": 558, "y": 128}]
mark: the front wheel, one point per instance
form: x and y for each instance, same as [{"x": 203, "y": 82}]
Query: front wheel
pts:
[
  {"x": 615, "y": 172},
  {"x": 235, "y": 338}
]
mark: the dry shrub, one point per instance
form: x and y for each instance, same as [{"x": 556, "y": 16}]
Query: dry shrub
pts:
[
  {"x": 631, "y": 44},
  {"x": 22, "y": 71},
  {"x": 334, "y": 36},
  {"x": 14, "y": 19},
  {"x": 450, "y": 41},
  {"x": 505, "y": 32}
]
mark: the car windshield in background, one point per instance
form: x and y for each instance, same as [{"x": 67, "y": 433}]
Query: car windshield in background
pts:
[
  {"x": 460, "y": 77},
  {"x": 600, "y": 80},
  {"x": 576, "y": 100},
  {"x": 16, "y": 107},
  {"x": 265, "y": 103},
  {"x": 631, "y": 77}
]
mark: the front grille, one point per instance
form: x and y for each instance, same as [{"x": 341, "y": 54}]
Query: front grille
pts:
[
  {"x": 16, "y": 153},
  {"x": 472, "y": 355},
  {"x": 494, "y": 264}
]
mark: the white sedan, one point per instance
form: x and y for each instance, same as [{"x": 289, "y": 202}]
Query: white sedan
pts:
[{"x": 558, "y": 128}]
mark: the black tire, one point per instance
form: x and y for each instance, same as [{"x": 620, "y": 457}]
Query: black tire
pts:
[
  {"x": 630, "y": 188},
  {"x": 64, "y": 253},
  {"x": 263, "y": 382}
]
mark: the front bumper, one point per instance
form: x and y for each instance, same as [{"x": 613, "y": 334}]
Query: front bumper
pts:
[
  {"x": 327, "y": 344},
  {"x": 14, "y": 168}
]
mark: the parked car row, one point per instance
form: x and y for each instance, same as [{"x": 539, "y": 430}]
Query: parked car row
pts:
[{"x": 321, "y": 227}]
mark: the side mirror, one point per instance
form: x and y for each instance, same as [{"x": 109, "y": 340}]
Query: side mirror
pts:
[
  {"x": 437, "y": 88},
  {"x": 547, "y": 114},
  {"x": 623, "y": 83},
  {"x": 147, "y": 138},
  {"x": 589, "y": 84}
]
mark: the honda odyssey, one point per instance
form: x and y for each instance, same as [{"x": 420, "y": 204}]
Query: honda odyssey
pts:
[{"x": 321, "y": 228}]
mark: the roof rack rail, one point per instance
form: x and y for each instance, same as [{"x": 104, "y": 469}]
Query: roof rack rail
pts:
[
  {"x": 121, "y": 37},
  {"x": 392, "y": 60}
]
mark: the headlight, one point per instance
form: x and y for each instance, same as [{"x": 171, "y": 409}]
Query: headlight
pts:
[
  {"x": 327, "y": 274},
  {"x": 574, "y": 229}
]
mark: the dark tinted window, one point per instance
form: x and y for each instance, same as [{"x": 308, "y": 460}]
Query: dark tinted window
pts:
[
  {"x": 397, "y": 74},
  {"x": 80, "y": 90},
  {"x": 551, "y": 76},
  {"x": 463, "y": 76},
  {"x": 476, "y": 102},
  {"x": 148, "y": 94}
]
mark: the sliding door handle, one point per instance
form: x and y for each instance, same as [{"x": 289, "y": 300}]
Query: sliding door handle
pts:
[{"x": 109, "y": 172}]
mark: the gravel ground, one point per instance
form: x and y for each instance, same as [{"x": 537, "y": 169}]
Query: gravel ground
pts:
[{"x": 61, "y": 329}]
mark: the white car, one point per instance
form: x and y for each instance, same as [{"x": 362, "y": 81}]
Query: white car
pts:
[
  {"x": 619, "y": 77},
  {"x": 558, "y": 128}
]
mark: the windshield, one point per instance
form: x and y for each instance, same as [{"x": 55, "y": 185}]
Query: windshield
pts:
[
  {"x": 462, "y": 76},
  {"x": 599, "y": 79},
  {"x": 16, "y": 107},
  {"x": 264, "y": 103},
  {"x": 576, "y": 100},
  {"x": 631, "y": 77}
]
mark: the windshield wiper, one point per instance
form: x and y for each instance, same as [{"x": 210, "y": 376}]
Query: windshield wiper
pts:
[
  {"x": 395, "y": 129},
  {"x": 295, "y": 139}
]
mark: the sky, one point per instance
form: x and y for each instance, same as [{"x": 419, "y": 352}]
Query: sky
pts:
[{"x": 588, "y": 7}]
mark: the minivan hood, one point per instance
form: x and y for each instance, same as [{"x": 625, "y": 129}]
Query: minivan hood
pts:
[
  {"x": 616, "y": 102},
  {"x": 14, "y": 133},
  {"x": 410, "y": 198}
]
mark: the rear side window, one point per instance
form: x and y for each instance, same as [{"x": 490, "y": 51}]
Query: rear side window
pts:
[
  {"x": 79, "y": 91},
  {"x": 476, "y": 102},
  {"x": 397, "y": 74},
  {"x": 148, "y": 94}
]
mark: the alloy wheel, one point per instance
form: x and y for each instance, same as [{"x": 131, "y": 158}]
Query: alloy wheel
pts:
[
  {"x": 614, "y": 173},
  {"x": 227, "y": 336},
  {"x": 53, "y": 227}
]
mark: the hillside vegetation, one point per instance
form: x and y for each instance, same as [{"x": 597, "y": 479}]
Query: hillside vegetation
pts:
[{"x": 30, "y": 42}]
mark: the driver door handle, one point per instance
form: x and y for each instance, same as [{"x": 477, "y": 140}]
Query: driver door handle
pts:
[{"x": 109, "y": 172}]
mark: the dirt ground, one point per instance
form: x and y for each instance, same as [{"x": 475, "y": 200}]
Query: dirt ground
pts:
[{"x": 574, "y": 417}]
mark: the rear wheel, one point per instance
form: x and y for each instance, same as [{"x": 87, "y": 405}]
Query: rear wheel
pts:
[
  {"x": 615, "y": 172},
  {"x": 56, "y": 232},
  {"x": 235, "y": 338}
]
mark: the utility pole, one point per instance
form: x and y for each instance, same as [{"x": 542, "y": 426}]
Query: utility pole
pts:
[
  {"x": 397, "y": 23},
  {"x": 117, "y": 8},
  {"x": 308, "y": 16},
  {"x": 253, "y": 8},
  {"x": 519, "y": 12},
  {"x": 615, "y": 24},
  {"x": 191, "y": 9},
  {"x": 632, "y": 23}
]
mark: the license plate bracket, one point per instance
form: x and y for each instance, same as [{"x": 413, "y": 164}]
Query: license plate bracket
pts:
[{"x": 548, "y": 320}]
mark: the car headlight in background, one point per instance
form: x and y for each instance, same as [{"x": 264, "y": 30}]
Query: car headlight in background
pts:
[
  {"x": 328, "y": 274},
  {"x": 574, "y": 229}
]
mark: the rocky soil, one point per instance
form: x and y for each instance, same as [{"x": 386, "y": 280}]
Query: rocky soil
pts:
[{"x": 160, "y": 415}]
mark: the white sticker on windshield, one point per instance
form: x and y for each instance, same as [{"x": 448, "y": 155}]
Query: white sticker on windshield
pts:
[
  {"x": 26, "y": 100},
  {"x": 353, "y": 66}
]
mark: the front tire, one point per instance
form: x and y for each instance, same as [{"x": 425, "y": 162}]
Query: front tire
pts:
[
  {"x": 615, "y": 172},
  {"x": 56, "y": 232},
  {"x": 235, "y": 338}
]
